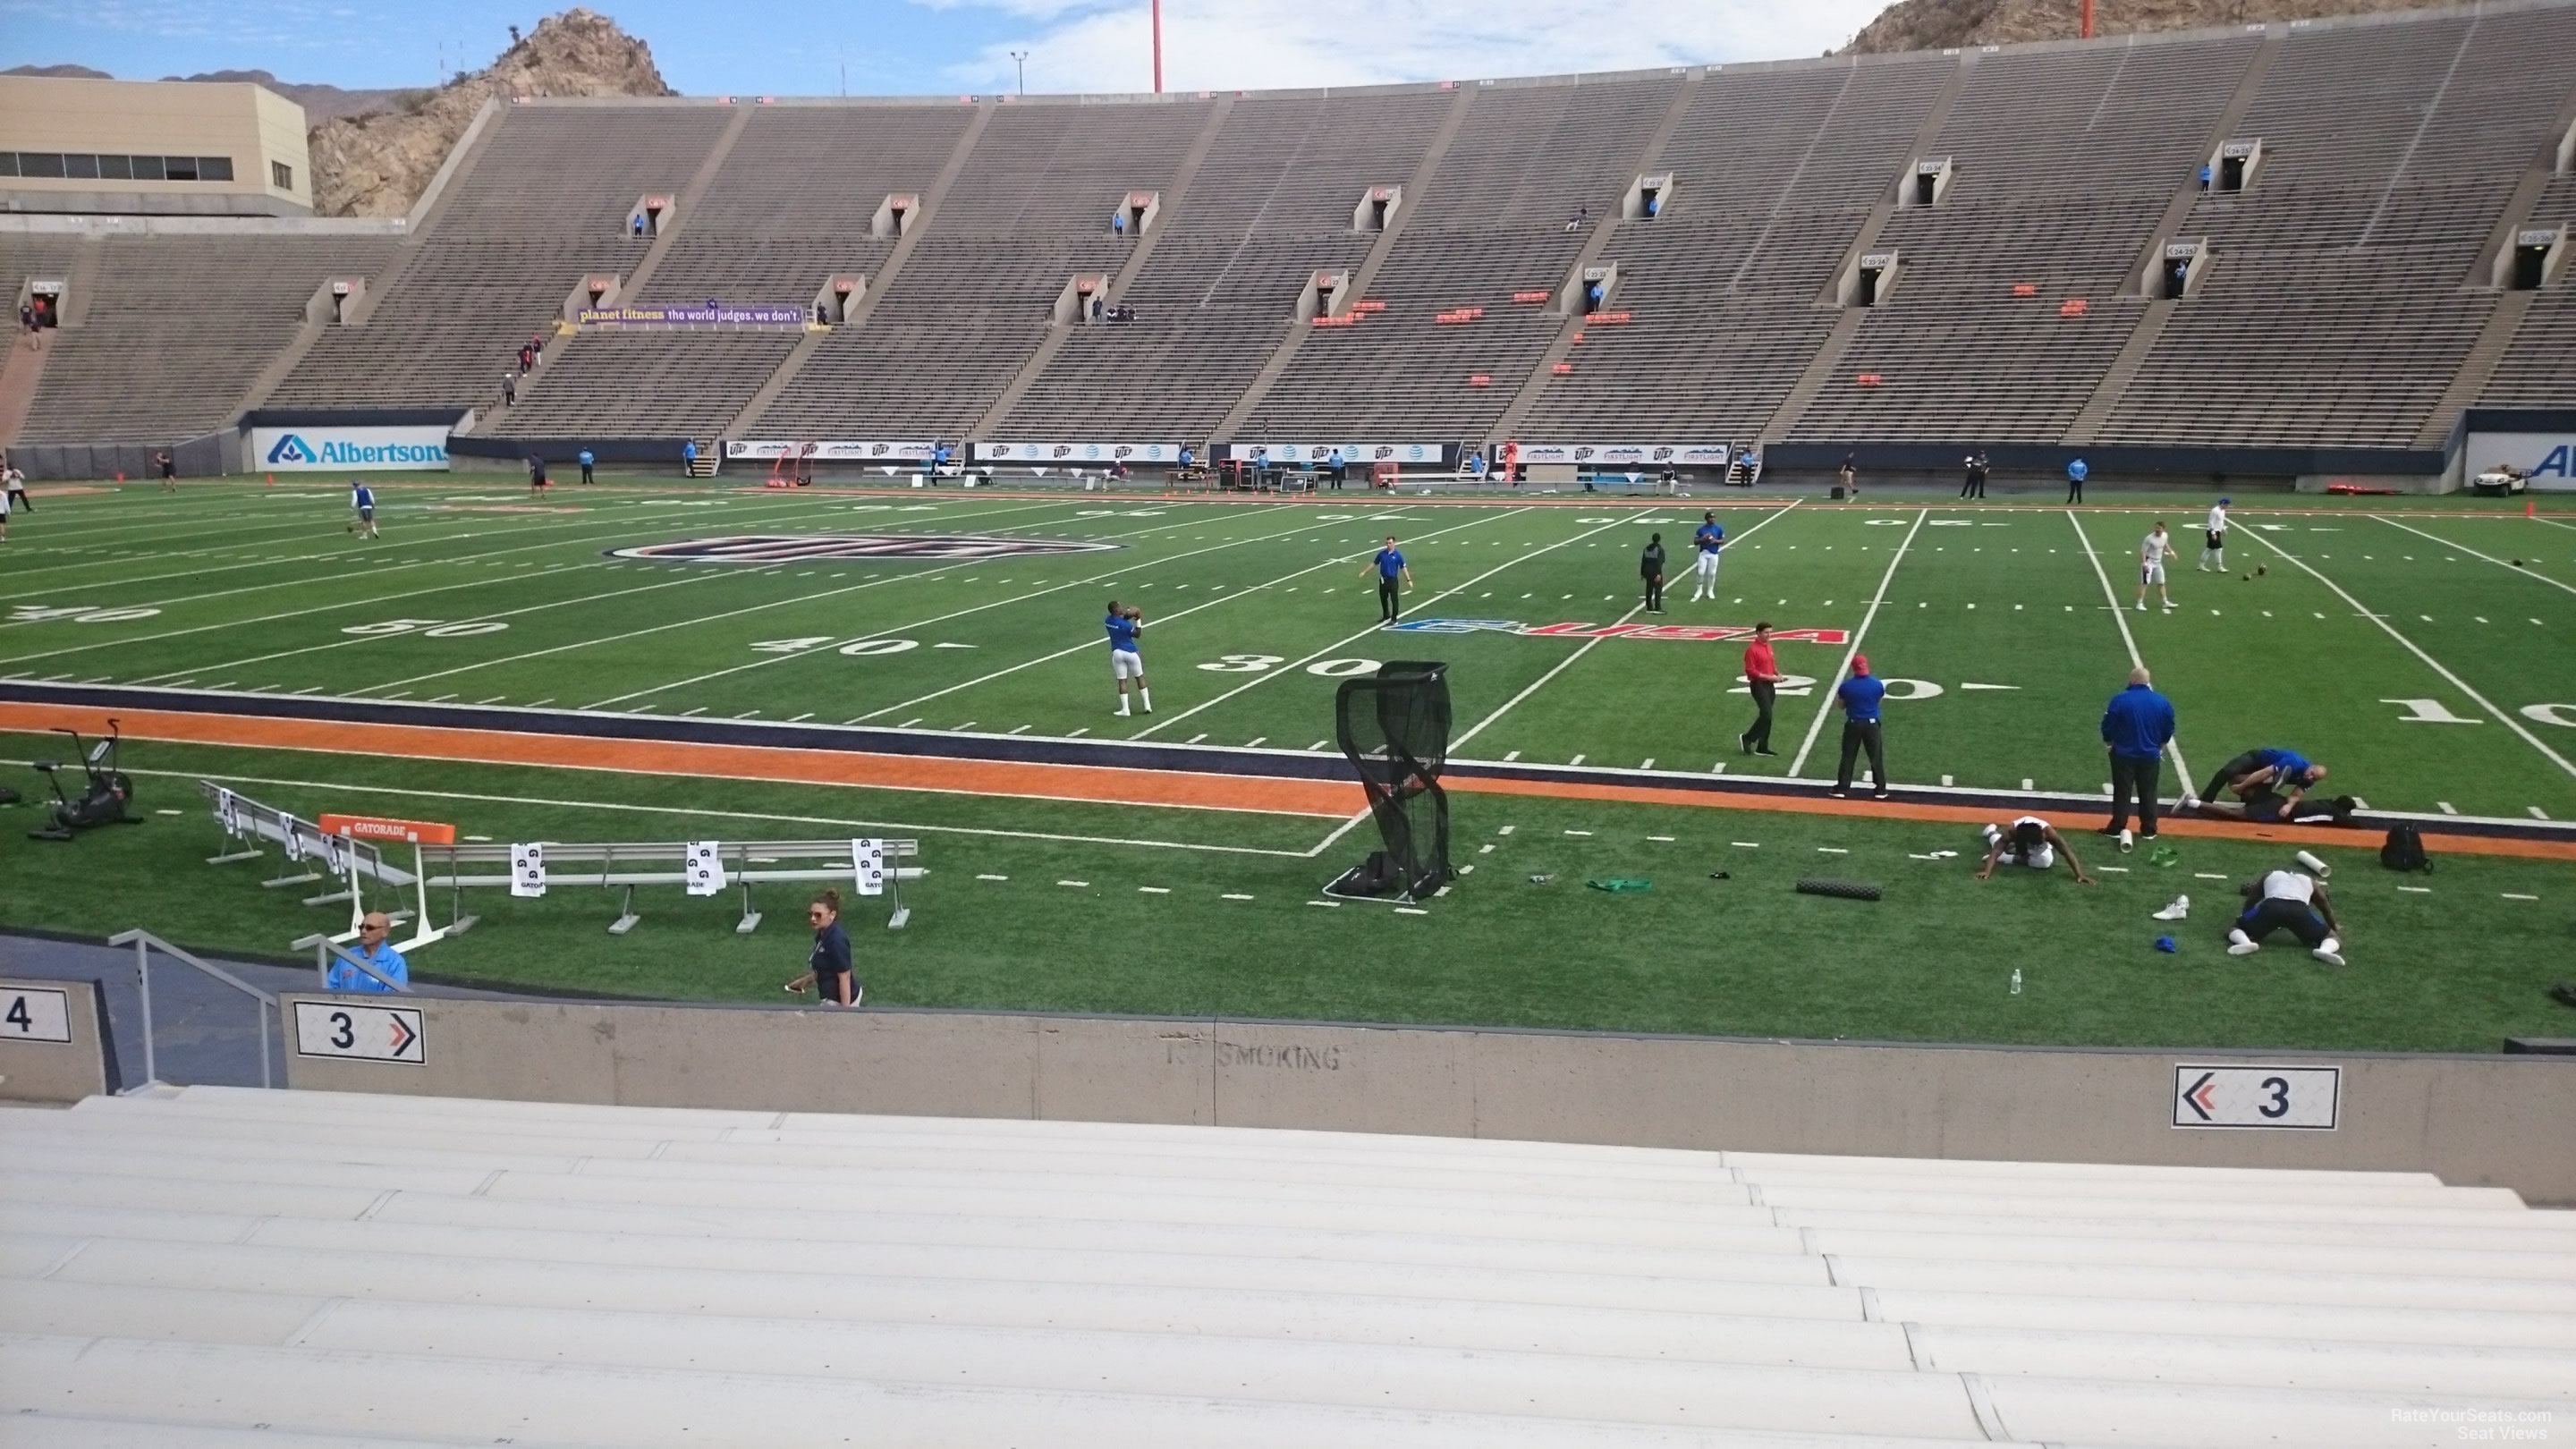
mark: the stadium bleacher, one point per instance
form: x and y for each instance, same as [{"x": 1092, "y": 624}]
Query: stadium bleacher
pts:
[
  {"x": 2346, "y": 299},
  {"x": 219, "y": 1267}
]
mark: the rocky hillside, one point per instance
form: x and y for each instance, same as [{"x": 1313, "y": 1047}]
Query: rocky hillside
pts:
[
  {"x": 320, "y": 103},
  {"x": 377, "y": 165},
  {"x": 1940, "y": 24}
]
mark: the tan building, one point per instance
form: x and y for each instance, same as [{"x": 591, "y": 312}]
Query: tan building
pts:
[{"x": 153, "y": 148}]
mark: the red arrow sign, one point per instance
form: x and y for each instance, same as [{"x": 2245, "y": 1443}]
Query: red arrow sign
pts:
[
  {"x": 2199, "y": 1094},
  {"x": 403, "y": 1036}
]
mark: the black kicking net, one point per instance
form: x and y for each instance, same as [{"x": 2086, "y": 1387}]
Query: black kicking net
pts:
[{"x": 1394, "y": 729}]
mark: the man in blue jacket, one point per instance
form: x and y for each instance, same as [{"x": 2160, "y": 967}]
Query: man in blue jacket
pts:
[
  {"x": 2137, "y": 725},
  {"x": 1859, "y": 696}
]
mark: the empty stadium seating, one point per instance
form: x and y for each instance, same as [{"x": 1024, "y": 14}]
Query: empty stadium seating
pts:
[
  {"x": 220, "y": 1267},
  {"x": 2346, "y": 299}
]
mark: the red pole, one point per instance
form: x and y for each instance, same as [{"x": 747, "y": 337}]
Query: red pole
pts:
[
  {"x": 2088, "y": 24},
  {"x": 1158, "y": 40}
]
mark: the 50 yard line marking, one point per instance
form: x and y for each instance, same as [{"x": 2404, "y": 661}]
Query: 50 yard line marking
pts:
[
  {"x": 1296, "y": 664},
  {"x": 1184, "y": 613},
  {"x": 2136, "y": 661},
  {"x": 2500, "y": 716},
  {"x": 1568, "y": 661},
  {"x": 1827, "y": 686}
]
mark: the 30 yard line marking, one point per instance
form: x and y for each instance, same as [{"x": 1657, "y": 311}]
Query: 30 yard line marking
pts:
[
  {"x": 2173, "y": 746},
  {"x": 1568, "y": 661},
  {"x": 2503, "y": 717},
  {"x": 1826, "y": 687}
]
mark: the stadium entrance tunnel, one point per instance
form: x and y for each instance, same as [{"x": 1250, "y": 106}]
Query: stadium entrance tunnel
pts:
[
  {"x": 2233, "y": 166},
  {"x": 1646, "y": 197},
  {"x": 596, "y": 290},
  {"x": 1139, "y": 211},
  {"x": 839, "y": 294},
  {"x": 2176, "y": 270},
  {"x": 651, "y": 213},
  {"x": 1928, "y": 184},
  {"x": 1324, "y": 296},
  {"x": 1377, "y": 208},
  {"x": 2534, "y": 258},
  {"x": 43, "y": 298},
  {"x": 1588, "y": 290},
  {"x": 1866, "y": 281},
  {"x": 894, "y": 215},
  {"x": 1085, "y": 298},
  {"x": 335, "y": 302}
]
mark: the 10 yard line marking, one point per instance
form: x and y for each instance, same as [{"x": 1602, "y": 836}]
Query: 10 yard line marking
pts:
[
  {"x": 1827, "y": 707},
  {"x": 2136, "y": 661},
  {"x": 1568, "y": 661},
  {"x": 2501, "y": 717}
]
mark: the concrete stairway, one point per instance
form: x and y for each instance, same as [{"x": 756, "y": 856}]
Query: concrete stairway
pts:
[
  {"x": 234, "y": 1267},
  {"x": 20, "y": 371}
]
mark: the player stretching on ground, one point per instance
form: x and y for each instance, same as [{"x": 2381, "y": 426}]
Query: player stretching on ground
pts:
[
  {"x": 2270, "y": 781},
  {"x": 1124, "y": 662},
  {"x": 2286, "y": 900},
  {"x": 2213, "y": 549},
  {"x": 363, "y": 499},
  {"x": 1709, "y": 540},
  {"x": 2153, "y": 550},
  {"x": 2031, "y": 842}
]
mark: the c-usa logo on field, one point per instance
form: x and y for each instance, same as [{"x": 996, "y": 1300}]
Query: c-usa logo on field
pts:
[{"x": 293, "y": 449}]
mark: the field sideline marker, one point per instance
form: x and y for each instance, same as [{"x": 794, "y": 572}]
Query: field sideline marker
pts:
[
  {"x": 1826, "y": 687},
  {"x": 2173, "y": 746}
]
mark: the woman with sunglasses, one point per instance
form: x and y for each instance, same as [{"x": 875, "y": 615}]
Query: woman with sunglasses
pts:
[{"x": 828, "y": 969}]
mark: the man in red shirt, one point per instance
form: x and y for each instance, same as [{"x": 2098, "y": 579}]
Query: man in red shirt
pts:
[{"x": 1762, "y": 674}]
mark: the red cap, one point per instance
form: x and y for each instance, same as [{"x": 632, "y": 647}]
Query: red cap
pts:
[{"x": 1860, "y": 664}]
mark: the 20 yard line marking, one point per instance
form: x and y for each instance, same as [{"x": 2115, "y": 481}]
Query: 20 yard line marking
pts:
[
  {"x": 2501, "y": 716},
  {"x": 1826, "y": 708}
]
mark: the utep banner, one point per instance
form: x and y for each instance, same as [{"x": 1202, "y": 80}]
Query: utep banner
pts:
[
  {"x": 693, "y": 315},
  {"x": 883, "y": 451},
  {"x": 344, "y": 450},
  {"x": 1075, "y": 454},
  {"x": 2550, "y": 458},
  {"x": 1607, "y": 455},
  {"x": 1355, "y": 454}
]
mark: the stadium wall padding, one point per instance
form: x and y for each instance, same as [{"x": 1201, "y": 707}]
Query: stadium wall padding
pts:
[
  {"x": 2471, "y": 1120},
  {"x": 665, "y": 451}
]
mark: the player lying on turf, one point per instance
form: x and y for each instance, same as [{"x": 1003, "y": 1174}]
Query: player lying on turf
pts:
[
  {"x": 2032, "y": 842},
  {"x": 2270, "y": 783},
  {"x": 1124, "y": 662},
  {"x": 2292, "y": 901}
]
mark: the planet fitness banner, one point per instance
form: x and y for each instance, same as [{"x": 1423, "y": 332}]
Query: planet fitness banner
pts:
[{"x": 692, "y": 315}]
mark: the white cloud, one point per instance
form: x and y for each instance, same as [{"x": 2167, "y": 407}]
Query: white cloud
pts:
[{"x": 1081, "y": 45}]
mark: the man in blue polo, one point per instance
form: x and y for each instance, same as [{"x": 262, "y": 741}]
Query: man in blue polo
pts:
[
  {"x": 2270, "y": 782},
  {"x": 1391, "y": 573},
  {"x": 1859, "y": 697},
  {"x": 383, "y": 959},
  {"x": 2136, "y": 726},
  {"x": 587, "y": 460}
]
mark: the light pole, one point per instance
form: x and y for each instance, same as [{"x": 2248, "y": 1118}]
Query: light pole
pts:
[{"x": 1020, "y": 58}]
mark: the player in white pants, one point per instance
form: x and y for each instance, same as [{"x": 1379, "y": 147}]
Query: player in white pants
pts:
[
  {"x": 1125, "y": 663},
  {"x": 2213, "y": 548},
  {"x": 1707, "y": 541},
  {"x": 2029, "y": 841},
  {"x": 2153, "y": 550}
]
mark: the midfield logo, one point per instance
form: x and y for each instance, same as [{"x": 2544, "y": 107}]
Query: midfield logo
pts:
[
  {"x": 1696, "y": 632},
  {"x": 759, "y": 548}
]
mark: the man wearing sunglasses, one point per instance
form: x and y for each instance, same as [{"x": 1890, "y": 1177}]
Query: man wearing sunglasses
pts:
[{"x": 380, "y": 957}]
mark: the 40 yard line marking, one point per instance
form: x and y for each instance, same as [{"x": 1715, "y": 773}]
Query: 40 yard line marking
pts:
[
  {"x": 2502, "y": 717},
  {"x": 1826, "y": 687},
  {"x": 1568, "y": 661},
  {"x": 2136, "y": 661}
]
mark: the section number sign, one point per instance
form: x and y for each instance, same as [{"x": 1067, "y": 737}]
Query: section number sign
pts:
[
  {"x": 31, "y": 1013},
  {"x": 362, "y": 1033},
  {"x": 2304, "y": 1098}
]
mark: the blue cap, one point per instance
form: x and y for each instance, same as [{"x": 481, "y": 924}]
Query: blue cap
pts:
[
  {"x": 2166, "y": 945},
  {"x": 2226, "y": 502}
]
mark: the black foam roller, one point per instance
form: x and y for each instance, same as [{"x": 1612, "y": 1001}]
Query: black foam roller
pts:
[{"x": 1851, "y": 890}]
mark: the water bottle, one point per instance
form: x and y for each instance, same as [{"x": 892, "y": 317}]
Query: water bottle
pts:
[{"x": 2016, "y": 989}]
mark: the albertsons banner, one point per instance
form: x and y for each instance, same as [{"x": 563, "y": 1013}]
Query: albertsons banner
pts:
[
  {"x": 347, "y": 450},
  {"x": 2550, "y": 458}
]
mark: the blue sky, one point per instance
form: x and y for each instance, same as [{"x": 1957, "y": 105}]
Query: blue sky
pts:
[{"x": 799, "y": 47}]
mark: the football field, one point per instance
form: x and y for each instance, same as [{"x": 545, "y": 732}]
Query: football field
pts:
[{"x": 592, "y": 660}]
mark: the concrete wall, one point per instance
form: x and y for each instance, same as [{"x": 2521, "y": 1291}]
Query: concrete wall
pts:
[
  {"x": 2504, "y": 1120},
  {"x": 45, "y": 1071},
  {"x": 251, "y": 124}
]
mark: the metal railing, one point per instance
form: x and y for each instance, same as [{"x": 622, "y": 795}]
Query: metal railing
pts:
[
  {"x": 144, "y": 944},
  {"x": 324, "y": 948}
]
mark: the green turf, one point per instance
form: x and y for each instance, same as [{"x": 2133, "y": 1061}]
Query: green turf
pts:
[{"x": 260, "y": 589}]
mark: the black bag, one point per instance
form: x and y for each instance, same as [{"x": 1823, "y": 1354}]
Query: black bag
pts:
[{"x": 2404, "y": 850}]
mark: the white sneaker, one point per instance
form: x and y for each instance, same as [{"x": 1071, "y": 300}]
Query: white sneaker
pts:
[
  {"x": 2179, "y": 910},
  {"x": 2142, "y": 606},
  {"x": 2240, "y": 944},
  {"x": 2328, "y": 956},
  {"x": 2187, "y": 803},
  {"x": 1121, "y": 714}
]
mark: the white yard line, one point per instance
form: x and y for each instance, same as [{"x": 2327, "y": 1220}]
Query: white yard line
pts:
[
  {"x": 346, "y": 787},
  {"x": 1344, "y": 643},
  {"x": 1827, "y": 685},
  {"x": 2500, "y": 716},
  {"x": 2473, "y": 553},
  {"x": 2136, "y": 660},
  {"x": 1094, "y": 644},
  {"x": 1568, "y": 661},
  {"x": 897, "y": 629}
]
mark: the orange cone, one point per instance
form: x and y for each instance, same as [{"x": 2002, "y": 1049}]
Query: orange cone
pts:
[
  {"x": 272, "y": 479},
  {"x": 2526, "y": 509}
]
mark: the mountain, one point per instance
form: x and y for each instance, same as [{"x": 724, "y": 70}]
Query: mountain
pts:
[
  {"x": 59, "y": 72},
  {"x": 320, "y": 103},
  {"x": 1942, "y": 24},
  {"x": 378, "y": 163}
]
